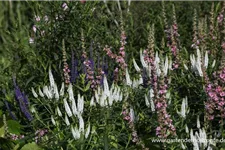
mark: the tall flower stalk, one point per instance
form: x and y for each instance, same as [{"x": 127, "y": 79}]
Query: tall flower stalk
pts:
[
  {"x": 66, "y": 69},
  {"x": 120, "y": 57},
  {"x": 22, "y": 100},
  {"x": 128, "y": 116}
]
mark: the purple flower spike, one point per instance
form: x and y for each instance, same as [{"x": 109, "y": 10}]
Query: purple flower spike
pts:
[
  {"x": 22, "y": 100},
  {"x": 25, "y": 99},
  {"x": 9, "y": 110},
  {"x": 145, "y": 78},
  {"x": 92, "y": 64},
  {"x": 76, "y": 74}
]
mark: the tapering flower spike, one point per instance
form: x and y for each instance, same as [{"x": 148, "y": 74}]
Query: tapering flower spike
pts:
[
  {"x": 136, "y": 66},
  {"x": 67, "y": 107}
]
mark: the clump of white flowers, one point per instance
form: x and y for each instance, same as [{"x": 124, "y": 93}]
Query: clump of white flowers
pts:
[
  {"x": 199, "y": 138},
  {"x": 161, "y": 64},
  {"x": 73, "y": 108},
  {"x": 199, "y": 61},
  {"x": 106, "y": 96},
  {"x": 149, "y": 100},
  {"x": 184, "y": 108}
]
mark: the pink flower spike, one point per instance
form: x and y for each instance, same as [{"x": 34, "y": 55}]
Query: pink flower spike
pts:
[
  {"x": 211, "y": 94},
  {"x": 222, "y": 94},
  {"x": 158, "y": 105},
  {"x": 124, "y": 112}
]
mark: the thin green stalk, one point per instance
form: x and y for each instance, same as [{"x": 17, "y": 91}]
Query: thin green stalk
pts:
[{"x": 106, "y": 140}]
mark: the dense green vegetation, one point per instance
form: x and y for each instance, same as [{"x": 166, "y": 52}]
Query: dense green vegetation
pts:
[{"x": 111, "y": 75}]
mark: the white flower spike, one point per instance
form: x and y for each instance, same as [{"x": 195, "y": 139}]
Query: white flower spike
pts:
[
  {"x": 67, "y": 108},
  {"x": 59, "y": 112},
  {"x": 61, "y": 93},
  {"x": 67, "y": 120},
  {"x": 51, "y": 78},
  {"x": 34, "y": 93},
  {"x": 87, "y": 132},
  {"x": 106, "y": 86},
  {"x": 206, "y": 60},
  {"x": 53, "y": 120},
  {"x": 56, "y": 92},
  {"x": 128, "y": 80},
  {"x": 198, "y": 122},
  {"x": 40, "y": 92},
  {"x": 142, "y": 60},
  {"x": 80, "y": 104},
  {"x": 136, "y": 66},
  {"x": 147, "y": 101},
  {"x": 70, "y": 92},
  {"x": 81, "y": 124}
]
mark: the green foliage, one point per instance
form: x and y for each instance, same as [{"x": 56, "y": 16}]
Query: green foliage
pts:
[
  {"x": 30, "y": 146},
  {"x": 88, "y": 27},
  {"x": 14, "y": 127}
]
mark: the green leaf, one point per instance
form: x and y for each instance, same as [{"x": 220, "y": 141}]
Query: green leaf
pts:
[
  {"x": 30, "y": 146},
  {"x": 0, "y": 113},
  {"x": 16, "y": 147},
  {"x": 114, "y": 145},
  {"x": 87, "y": 87},
  {"x": 1, "y": 104},
  {"x": 2, "y": 131},
  {"x": 29, "y": 80},
  {"x": 14, "y": 127}
]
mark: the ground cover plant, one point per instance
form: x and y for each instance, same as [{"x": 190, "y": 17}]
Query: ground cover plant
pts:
[{"x": 80, "y": 75}]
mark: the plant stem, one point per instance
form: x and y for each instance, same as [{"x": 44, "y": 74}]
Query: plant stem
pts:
[{"x": 106, "y": 142}]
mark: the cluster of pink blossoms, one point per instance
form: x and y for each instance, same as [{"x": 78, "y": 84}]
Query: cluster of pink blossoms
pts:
[
  {"x": 90, "y": 72},
  {"x": 148, "y": 57},
  {"x": 120, "y": 58},
  {"x": 216, "y": 98},
  {"x": 165, "y": 123},
  {"x": 223, "y": 46},
  {"x": 66, "y": 71},
  {"x": 16, "y": 137},
  {"x": 130, "y": 121},
  {"x": 172, "y": 36},
  {"x": 196, "y": 43},
  {"x": 220, "y": 16},
  {"x": 174, "y": 45},
  {"x": 127, "y": 117},
  {"x": 40, "y": 133}
]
